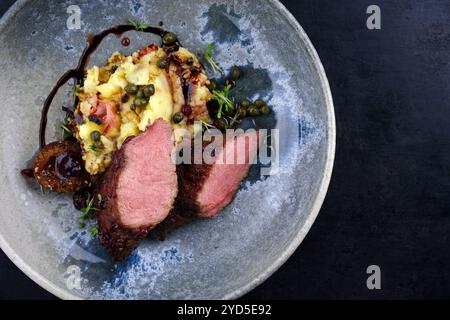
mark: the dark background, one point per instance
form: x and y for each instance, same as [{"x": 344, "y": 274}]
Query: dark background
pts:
[{"x": 388, "y": 202}]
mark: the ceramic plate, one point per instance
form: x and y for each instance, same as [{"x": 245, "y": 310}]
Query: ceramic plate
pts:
[{"x": 219, "y": 258}]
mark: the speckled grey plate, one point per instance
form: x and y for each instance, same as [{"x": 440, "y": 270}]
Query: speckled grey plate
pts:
[{"x": 220, "y": 258}]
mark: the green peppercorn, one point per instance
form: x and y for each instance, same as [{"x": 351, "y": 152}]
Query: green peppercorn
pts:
[
  {"x": 178, "y": 117},
  {"x": 162, "y": 64},
  {"x": 169, "y": 38},
  {"x": 96, "y": 135}
]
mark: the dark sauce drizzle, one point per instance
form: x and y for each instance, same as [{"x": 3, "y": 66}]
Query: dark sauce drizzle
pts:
[{"x": 78, "y": 73}]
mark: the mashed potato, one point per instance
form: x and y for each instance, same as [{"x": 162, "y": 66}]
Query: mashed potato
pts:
[{"x": 124, "y": 97}]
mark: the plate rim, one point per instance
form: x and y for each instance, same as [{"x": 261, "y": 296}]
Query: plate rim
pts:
[{"x": 296, "y": 241}]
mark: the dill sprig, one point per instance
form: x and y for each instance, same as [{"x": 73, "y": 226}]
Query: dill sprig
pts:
[
  {"x": 89, "y": 209},
  {"x": 207, "y": 126},
  {"x": 93, "y": 148},
  {"x": 75, "y": 89},
  {"x": 235, "y": 120},
  {"x": 66, "y": 131},
  {"x": 137, "y": 25},
  {"x": 94, "y": 231},
  {"x": 209, "y": 57},
  {"x": 224, "y": 100}
]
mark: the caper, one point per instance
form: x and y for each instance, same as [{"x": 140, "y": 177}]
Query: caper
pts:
[
  {"x": 169, "y": 38},
  {"x": 98, "y": 145},
  {"x": 149, "y": 90},
  {"x": 212, "y": 86},
  {"x": 242, "y": 113},
  {"x": 253, "y": 111},
  {"x": 140, "y": 93},
  {"x": 178, "y": 117},
  {"x": 140, "y": 102},
  {"x": 162, "y": 64},
  {"x": 131, "y": 89},
  {"x": 245, "y": 103},
  {"x": 235, "y": 73},
  {"x": 260, "y": 103},
  {"x": 265, "y": 110},
  {"x": 96, "y": 135}
]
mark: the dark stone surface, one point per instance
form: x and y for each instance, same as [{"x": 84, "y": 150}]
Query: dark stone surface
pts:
[{"x": 388, "y": 203}]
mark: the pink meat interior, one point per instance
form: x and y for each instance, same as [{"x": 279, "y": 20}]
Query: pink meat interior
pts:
[
  {"x": 147, "y": 185},
  {"x": 225, "y": 177}
]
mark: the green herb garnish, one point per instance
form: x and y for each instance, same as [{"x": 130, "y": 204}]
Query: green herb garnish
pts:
[
  {"x": 94, "y": 231},
  {"x": 75, "y": 89},
  {"x": 92, "y": 147},
  {"x": 208, "y": 56},
  {"x": 235, "y": 118},
  {"x": 206, "y": 125},
  {"x": 224, "y": 100},
  {"x": 89, "y": 209},
  {"x": 138, "y": 26},
  {"x": 67, "y": 132}
]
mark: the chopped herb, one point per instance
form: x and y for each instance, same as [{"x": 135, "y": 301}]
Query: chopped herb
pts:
[
  {"x": 208, "y": 56},
  {"x": 89, "y": 209},
  {"x": 94, "y": 231},
  {"x": 206, "y": 125},
  {"x": 82, "y": 225},
  {"x": 138, "y": 26},
  {"x": 92, "y": 147},
  {"x": 67, "y": 132},
  {"x": 75, "y": 89},
  {"x": 224, "y": 100},
  {"x": 235, "y": 118}
]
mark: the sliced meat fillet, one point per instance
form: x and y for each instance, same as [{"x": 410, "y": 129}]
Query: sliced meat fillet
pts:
[
  {"x": 137, "y": 191},
  {"x": 206, "y": 189}
]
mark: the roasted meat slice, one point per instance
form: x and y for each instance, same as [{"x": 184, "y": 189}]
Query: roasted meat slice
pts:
[
  {"x": 206, "y": 189},
  {"x": 137, "y": 191}
]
